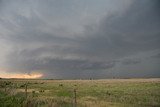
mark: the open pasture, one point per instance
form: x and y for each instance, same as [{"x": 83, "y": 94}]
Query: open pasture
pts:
[{"x": 80, "y": 93}]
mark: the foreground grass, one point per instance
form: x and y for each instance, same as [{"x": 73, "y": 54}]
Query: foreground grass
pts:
[{"x": 90, "y": 93}]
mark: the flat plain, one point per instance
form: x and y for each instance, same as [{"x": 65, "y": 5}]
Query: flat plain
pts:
[{"x": 80, "y": 93}]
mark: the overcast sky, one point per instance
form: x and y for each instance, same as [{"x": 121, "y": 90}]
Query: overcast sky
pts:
[{"x": 73, "y": 39}]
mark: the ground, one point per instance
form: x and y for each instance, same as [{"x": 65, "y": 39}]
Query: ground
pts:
[{"x": 80, "y": 93}]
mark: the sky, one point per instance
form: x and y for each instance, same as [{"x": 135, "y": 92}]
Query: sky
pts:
[{"x": 79, "y": 39}]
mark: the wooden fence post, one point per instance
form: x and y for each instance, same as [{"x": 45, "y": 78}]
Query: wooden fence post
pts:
[
  {"x": 26, "y": 89},
  {"x": 5, "y": 87},
  {"x": 75, "y": 98}
]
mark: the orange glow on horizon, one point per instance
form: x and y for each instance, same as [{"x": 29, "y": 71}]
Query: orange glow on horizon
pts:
[{"x": 25, "y": 76}]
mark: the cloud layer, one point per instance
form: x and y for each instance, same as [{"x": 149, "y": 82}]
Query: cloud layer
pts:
[{"x": 80, "y": 38}]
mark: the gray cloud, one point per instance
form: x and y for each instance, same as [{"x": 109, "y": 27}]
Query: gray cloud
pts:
[
  {"x": 75, "y": 39},
  {"x": 131, "y": 61},
  {"x": 156, "y": 56}
]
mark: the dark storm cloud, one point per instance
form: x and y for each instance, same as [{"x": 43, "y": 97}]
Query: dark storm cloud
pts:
[
  {"x": 74, "y": 39},
  {"x": 61, "y": 64},
  {"x": 135, "y": 30},
  {"x": 131, "y": 61},
  {"x": 156, "y": 56}
]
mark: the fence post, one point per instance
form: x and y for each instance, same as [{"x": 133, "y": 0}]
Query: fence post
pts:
[
  {"x": 75, "y": 98},
  {"x": 5, "y": 87},
  {"x": 26, "y": 89}
]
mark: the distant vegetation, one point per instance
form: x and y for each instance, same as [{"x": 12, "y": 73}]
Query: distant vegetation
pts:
[{"x": 80, "y": 93}]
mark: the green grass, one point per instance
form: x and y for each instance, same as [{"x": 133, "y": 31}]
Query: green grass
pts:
[
  {"x": 90, "y": 93},
  {"x": 10, "y": 101}
]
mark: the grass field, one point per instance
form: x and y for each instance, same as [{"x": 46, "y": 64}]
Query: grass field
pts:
[{"x": 80, "y": 93}]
